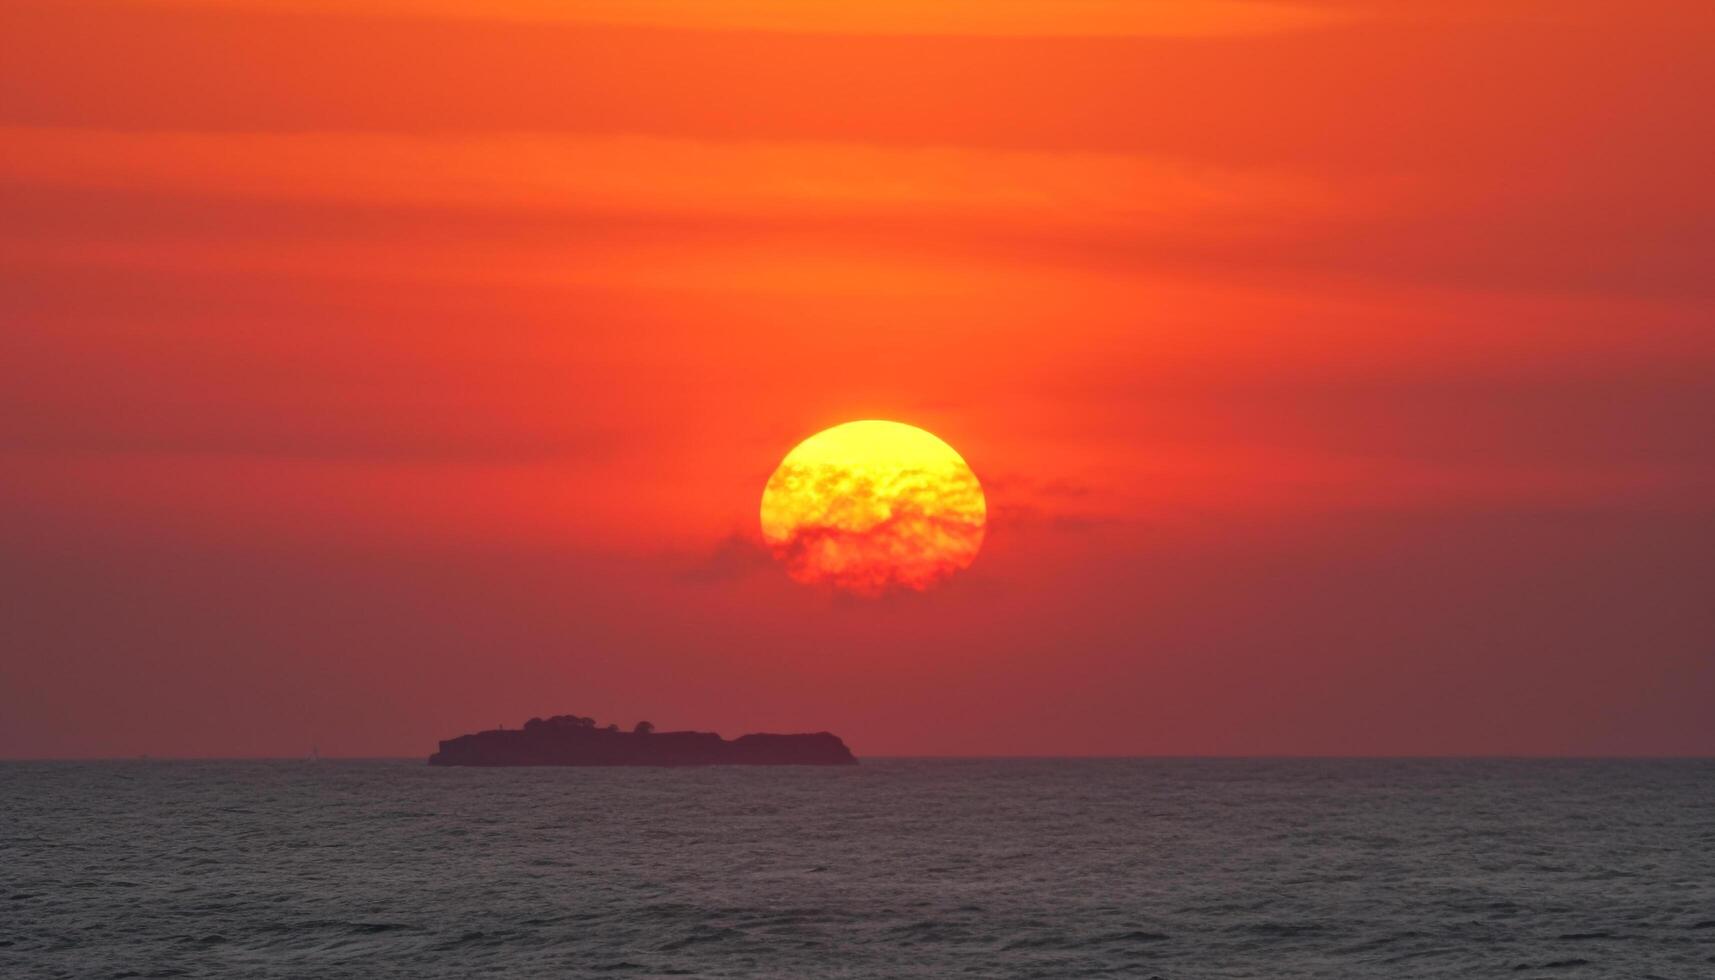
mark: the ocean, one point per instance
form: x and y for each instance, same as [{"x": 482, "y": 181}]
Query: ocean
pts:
[{"x": 1172, "y": 869}]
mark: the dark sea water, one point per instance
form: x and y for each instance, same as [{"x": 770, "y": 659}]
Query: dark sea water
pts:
[{"x": 896, "y": 868}]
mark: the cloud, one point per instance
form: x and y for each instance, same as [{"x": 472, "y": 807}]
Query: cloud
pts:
[
  {"x": 654, "y": 176},
  {"x": 736, "y": 556},
  {"x": 1034, "y": 516},
  {"x": 951, "y": 18},
  {"x": 911, "y": 549},
  {"x": 873, "y": 528}
]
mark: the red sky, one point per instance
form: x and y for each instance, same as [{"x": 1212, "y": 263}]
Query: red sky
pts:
[{"x": 1341, "y": 374}]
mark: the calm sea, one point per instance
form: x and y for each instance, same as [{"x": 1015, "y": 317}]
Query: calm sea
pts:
[{"x": 895, "y": 868}]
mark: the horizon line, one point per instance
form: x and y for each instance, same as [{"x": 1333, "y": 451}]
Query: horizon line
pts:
[{"x": 1283, "y": 757}]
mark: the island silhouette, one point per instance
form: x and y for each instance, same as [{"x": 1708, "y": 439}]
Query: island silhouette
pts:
[{"x": 573, "y": 740}]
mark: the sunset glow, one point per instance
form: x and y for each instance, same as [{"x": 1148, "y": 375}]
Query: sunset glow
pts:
[{"x": 1313, "y": 355}]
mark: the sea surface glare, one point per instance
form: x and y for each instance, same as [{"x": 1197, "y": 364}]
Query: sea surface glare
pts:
[{"x": 894, "y": 868}]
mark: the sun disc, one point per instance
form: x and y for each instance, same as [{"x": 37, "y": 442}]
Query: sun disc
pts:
[{"x": 872, "y": 507}]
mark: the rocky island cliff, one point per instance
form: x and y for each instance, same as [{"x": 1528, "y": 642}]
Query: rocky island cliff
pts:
[{"x": 571, "y": 740}]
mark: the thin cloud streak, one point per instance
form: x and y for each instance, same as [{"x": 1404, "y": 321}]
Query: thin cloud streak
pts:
[
  {"x": 952, "y": 18},
  {"x": 749, "y": 180}
]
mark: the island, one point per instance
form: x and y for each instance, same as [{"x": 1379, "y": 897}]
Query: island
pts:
[{"x": 572, "y": 740}]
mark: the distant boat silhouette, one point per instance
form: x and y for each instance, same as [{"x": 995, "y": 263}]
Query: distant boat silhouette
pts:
[{"x": 315, "y": 755}]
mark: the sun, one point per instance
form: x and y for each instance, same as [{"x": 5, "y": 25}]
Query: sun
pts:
[{"x": 873, "y": 507}]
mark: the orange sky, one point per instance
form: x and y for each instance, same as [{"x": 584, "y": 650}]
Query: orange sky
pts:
[{"x": 1341, "y": 373}]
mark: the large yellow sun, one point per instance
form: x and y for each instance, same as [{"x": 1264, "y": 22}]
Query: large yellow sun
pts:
[{"x": 872, "y": 507}]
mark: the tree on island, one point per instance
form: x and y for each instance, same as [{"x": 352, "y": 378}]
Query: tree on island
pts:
[
  {"x": 643, "y": 728},
  {"x": 559, "y": 721}
]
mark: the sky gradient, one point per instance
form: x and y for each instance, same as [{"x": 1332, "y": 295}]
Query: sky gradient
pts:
[{"x": 1341, "y": 375}]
